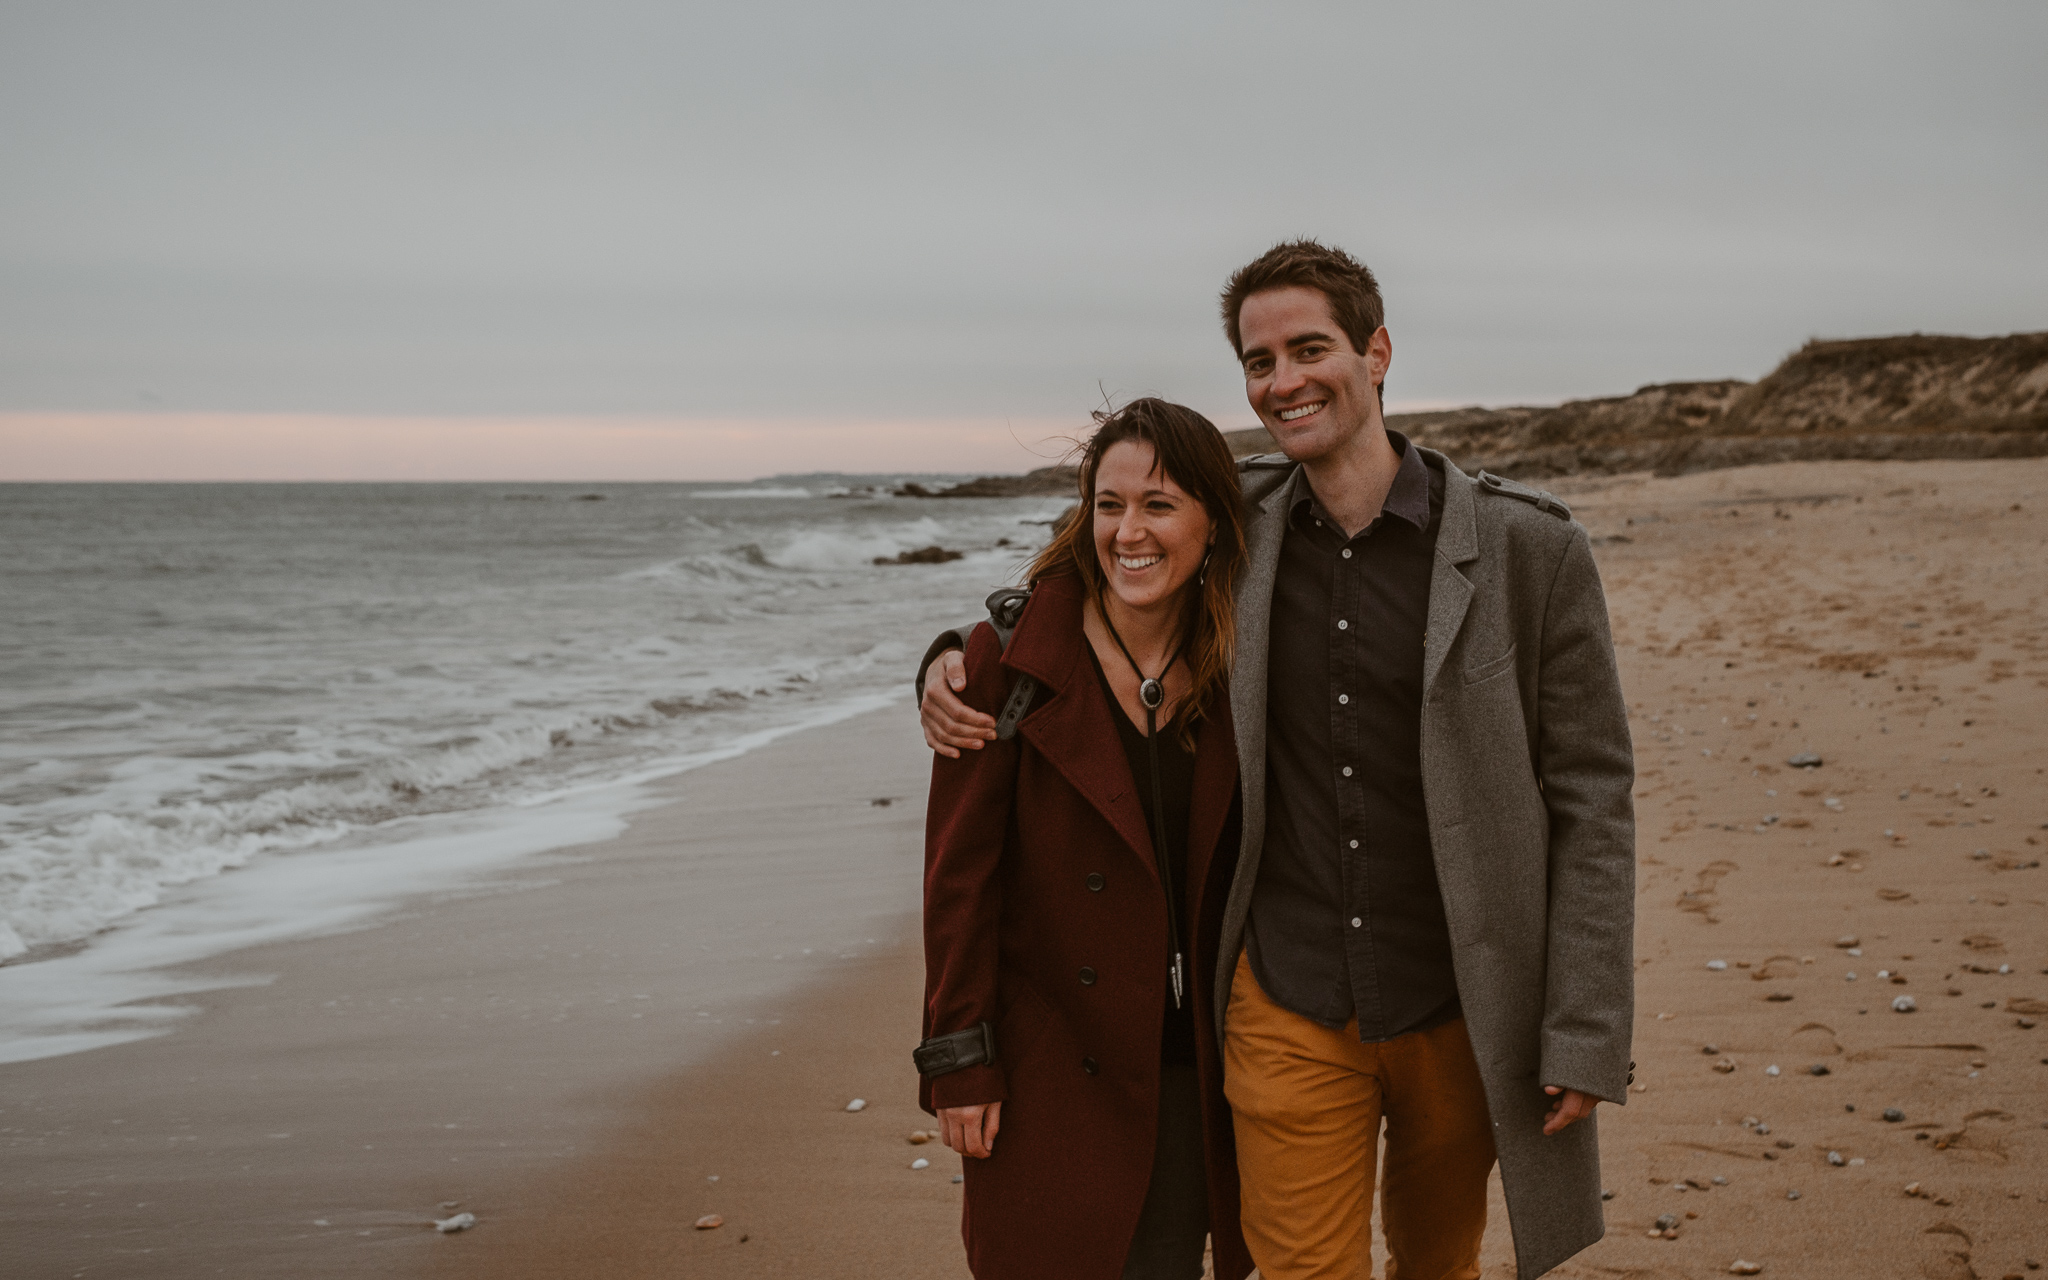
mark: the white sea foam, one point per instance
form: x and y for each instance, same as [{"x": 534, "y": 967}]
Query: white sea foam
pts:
[{"x": 89, "y": 999}]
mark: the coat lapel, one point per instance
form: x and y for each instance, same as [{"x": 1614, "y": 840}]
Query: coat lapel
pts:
[
  {"x": 1071, "y": 727},
  {"x": 1450, "y": 592},
  {"x": 1266, "y": 527}
]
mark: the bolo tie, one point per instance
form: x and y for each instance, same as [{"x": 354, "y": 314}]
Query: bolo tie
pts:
[{"x": 1152, "y": 695}]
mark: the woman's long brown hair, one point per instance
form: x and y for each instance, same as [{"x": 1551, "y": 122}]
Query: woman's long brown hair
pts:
[{"x": 1190, "y": 451}]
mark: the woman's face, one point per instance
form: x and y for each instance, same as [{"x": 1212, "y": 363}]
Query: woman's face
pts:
[{"x": 1150, "y": 536}]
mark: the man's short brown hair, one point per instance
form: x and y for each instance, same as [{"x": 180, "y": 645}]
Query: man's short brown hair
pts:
[{"x": 1354, "y": 295}]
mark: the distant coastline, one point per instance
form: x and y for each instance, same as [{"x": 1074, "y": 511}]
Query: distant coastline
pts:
[{"x": 1899, "y": 398}]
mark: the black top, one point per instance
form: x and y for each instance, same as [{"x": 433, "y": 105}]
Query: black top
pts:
[
  {"x": 1346, "y": 919},
  {"x": 1177, "y": 787}
]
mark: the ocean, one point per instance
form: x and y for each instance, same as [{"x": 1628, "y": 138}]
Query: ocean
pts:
[{"x": 359, "y": 689}]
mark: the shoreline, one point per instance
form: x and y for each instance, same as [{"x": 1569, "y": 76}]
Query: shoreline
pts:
[{"x": 90, "y": 993}]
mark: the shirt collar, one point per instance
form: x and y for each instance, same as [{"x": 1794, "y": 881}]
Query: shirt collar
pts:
[{"x": 1407, "y": 499}]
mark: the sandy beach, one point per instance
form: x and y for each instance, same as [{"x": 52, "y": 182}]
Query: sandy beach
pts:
[{"x": 593, "y": 1052}]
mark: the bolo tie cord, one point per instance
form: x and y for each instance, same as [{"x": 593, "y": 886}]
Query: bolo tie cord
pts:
[{"x": 1152, "y": 695}]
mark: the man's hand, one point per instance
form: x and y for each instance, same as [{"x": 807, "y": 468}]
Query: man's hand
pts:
[
  {"x": 950, "y": 724},
  {"x": 1570, "y": 1108},
  {"x": 972, "y": 1130}
]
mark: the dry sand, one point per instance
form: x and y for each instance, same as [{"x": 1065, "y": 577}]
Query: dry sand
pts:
[{"x": 1887, "y": 616}]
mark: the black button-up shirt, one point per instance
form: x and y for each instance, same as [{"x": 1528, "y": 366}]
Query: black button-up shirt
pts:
[{"x": 1347, "y": 920}]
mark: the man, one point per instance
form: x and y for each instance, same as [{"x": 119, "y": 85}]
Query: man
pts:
[{"x": 1431, "y": 920}]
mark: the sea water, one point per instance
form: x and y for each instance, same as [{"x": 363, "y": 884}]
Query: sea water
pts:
[{"x": 290, "y": 682}]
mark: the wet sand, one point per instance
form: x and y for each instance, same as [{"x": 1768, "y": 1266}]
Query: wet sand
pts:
[{"x": 1889, "y": 617}]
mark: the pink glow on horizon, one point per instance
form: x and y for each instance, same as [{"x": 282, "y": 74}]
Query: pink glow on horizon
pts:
[{"x": 246, "y": 446}]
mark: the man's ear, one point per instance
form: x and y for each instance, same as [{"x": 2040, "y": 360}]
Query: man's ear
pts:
[{"x": 1379, "y": 353}]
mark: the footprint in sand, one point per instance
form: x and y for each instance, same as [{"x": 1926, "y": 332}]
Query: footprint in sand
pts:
[{"x": 1704, "y": 896}]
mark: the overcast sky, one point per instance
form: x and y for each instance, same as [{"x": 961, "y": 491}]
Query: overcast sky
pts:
[{"x": 844, "y": 210}]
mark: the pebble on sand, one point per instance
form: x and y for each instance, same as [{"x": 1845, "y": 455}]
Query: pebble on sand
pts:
[
  {"x": 1904, "y": 1004},
  {"x": 1791, "y": 1195},
  {"x": 1817, "y": 1069},
  {"x": 1848, "y": 940},
  {"x": 918, "y": 1137},
  {"x": 1740, "y": 1267},
  {"x": 710, "y": 1222},
  {"x": 920, "y": 1163},
  {"x": 1804, "y": 760},
  {"x": 460, "y": 1222},
  {"x": 858, "y": 1104},
  {"x": 1894, "y": 1115},
  {"x": 1717, "y": 965},
  {"x": 1835, "y": 1159}
]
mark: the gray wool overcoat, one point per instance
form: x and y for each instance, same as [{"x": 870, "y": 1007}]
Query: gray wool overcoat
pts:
[{"x": 1527, "y": 773}]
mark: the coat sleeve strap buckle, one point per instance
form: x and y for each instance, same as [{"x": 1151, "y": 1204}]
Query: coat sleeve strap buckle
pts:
[{"x": 942, "y": 1054}]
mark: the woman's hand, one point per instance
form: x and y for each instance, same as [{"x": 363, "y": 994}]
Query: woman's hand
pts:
[{"x": 971, "y": 1131}]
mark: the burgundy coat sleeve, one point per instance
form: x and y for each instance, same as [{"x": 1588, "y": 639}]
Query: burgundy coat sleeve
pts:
[{"x": 966, "y": 827}]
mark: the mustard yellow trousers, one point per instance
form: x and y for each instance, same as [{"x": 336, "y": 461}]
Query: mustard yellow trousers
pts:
[{"x": 1307, "y": 1102}]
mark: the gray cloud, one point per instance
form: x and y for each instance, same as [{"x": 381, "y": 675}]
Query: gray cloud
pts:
[{"x": 971, "y": 210}]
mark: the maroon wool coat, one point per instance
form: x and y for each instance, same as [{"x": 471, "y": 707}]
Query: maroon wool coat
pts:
[{"x": 1013, "y": 835}]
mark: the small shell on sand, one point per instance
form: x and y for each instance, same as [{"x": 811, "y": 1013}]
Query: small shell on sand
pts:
[
  {"x": 920, "y": 1163},
  {"x": 710, "y": 1222},
  {"x": 858, "y": 1104},
  {"x": 1904, "y": 1004},
  {"x": 460, "y": 1222}
]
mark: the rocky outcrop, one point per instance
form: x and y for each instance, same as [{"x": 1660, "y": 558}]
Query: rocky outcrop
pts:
[
  {"x": 1919, "y": 396},
  {"x": 1046, "y": 481}
]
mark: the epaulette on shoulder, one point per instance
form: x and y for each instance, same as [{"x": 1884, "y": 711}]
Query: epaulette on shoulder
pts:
[
  {"x": 1265, "y": 462},
  {"x": 1536, "y": 498}
]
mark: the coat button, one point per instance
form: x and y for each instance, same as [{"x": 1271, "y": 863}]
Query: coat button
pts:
[
  {"x": 1087, "y": 976},
  {"x": 1095, "y": 882},
  {"x": 1090, "y": 1066}
]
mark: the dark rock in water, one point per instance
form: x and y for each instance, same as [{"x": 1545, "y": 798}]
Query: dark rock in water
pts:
[
  {"x": 1804, "y": 760},
  {"x": 923, "y": 555},
  {"x": 1044, "y": 482}
]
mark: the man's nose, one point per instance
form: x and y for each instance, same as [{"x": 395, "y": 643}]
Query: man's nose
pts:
[{"x": 1286, "y": 379}]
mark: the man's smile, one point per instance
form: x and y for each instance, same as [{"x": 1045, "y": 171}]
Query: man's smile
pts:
[{"x": 1301, "y": 411}]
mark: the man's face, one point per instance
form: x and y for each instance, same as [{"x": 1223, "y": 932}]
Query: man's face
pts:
[{"x": 1313, "y": 392}]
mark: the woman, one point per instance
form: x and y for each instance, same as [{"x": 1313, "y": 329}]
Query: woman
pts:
[{"x": 1074, "y": 882}]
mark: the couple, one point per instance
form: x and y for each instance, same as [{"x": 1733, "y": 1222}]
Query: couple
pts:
[{"x": 1295, "y": 798}]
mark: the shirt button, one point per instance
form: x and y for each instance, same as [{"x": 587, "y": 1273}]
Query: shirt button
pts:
[
  {"x": 1343, "y": 699},
  {"x": 1341, "y": 624},
  {"x": 1357, "y": 923},
  {"x": 1347, "y": 770},
  {"x": 1090, "y": 1065},
  {"x": 1354, "y": 844},
  {"x": 1095, "y": 882},
  {"x": 1087, "y": 976},
  {"x": 1347, "y": 553}
]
